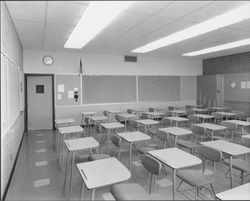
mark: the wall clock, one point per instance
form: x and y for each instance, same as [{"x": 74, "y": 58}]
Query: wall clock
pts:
[{"x": 48, "y": 60}]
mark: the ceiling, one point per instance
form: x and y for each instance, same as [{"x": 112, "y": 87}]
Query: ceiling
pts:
[{"x": 46, "y": 25}]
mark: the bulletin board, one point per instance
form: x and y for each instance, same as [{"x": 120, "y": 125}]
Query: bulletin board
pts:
[
  {"x": 159, "y": 88},
  {"x": 65, "y": 87},
  {"x": 108, "y": 89}
]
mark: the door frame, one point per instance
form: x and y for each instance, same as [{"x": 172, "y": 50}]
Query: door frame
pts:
[{"x": 26, "y": 75}]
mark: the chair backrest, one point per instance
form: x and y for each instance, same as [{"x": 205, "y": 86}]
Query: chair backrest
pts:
[
  {"x": 188, "y": 106},
  {"x": 151, "y": 164},
  {"x": 248, "y": 119},
  {"x": 117, "y": 117},
  {"x": 197, "y": 130},
  {"x": 189, "y": 111},
  {"x": 168, "y": 113},
  {"x": 162, "y": 136},
  {"x": 229, "y": 125},
  {"x": 134, "y": 124},
  {"x": 129, "y": 111},
  {"x": 170, "y": 107},
  {"x": 245, "y": 141},
  {"x": 217, "y": 115},
  {"x": 144, "y": 115},
  {"x": 98, "y": 128},
  {"x": 116, "y": 140},
  {"x": 87, "y": 120},
  {"x": 193, "y": 119},
  {"x": 150, "y": 109},
  {"x": 105, "y": 113},
  {"x": 239, "y": 114},
  {"x": 166, "y": 122},
  {"x": 209, "y": 153}
]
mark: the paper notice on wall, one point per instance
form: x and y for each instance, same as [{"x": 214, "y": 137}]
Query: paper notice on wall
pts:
[
  {"x": 248, "y": 84},
  {"x": 59, "y": 96},
  {"x": 243, "y": 85},
  {"x": 60, "y": 88},
  {"x": 70, "y": 94},
  {"x": 75, "y": 89}
]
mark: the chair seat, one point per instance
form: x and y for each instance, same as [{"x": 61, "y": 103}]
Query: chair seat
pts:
[
  {"x": 195, "y": 177},
  {"x": 239, "y": 164},
  {"x": 144, "y": 150},
  {"x": 131, "y": 191},
  {"x": 187, "y": 144},
  {"x": 220, "y": 138},
  {"x": 94, "y": 157},
  {"x": 153, "y": 131}
]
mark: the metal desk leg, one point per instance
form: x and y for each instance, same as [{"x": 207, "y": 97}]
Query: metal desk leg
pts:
[
  {"x": 175, "y": 140},
  {"x": 66, "y": 168},
  {"x": 82, "y": 191},
  {"x": 130, "y": 157},
  {"x": 231, "y": 170},
  {"x": 62, "y": 154},
  {"x": 93, "y": 194},
  {"x": 71, "y": 175},
  {"x": 174, "y": 184},
  {"x": 108, "y": 141}
]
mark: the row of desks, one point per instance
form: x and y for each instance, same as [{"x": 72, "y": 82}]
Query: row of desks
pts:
[{"x": 168, "y": 156}]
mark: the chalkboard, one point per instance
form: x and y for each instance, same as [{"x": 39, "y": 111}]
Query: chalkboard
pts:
[
  {"x": 108, "y": 89},
  {"x": 159, "y": 88}
]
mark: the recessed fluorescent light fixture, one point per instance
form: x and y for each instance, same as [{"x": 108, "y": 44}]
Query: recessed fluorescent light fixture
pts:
[
  {"x": 219, "y": 47},
  {"x": 236, "y": 15},
  {"x": 96, "y": 16}
]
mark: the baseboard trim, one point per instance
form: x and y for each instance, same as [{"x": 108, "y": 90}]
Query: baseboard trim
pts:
[{"x": 12, "y": 170}]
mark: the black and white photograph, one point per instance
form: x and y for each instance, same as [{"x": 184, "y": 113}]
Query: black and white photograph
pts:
[{"x": 125, "y": 100}]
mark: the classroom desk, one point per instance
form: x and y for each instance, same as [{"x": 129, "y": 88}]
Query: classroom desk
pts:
[
  {"x": 211, "y": 127},
  {"x": 132, "y": 137},
  {"x": 74, "y": 145},
  {"x": 229, "y": 148},
  {"x": 178, "y": 112},
  {"x": 199, "y": 110},
  {"x": 59, "y": 123},
  {"x": 154, "y": 115},
  {"x": 203, "y": 117},
  {"x": 175, "y": 132},
  {"x": 175, "y": 159},
  {"x": 146, "y": 123},
  {"x": 100, "y": 173},
  {"x": 98, "y": 119},
  {"x": 227, "y": 114},
  {"x": 125, "y": 117},
  {"x": 64, "y": 131},
  {"x": 177, "y": 119},
  {"x": 160, "y": 109},
  {"x": 241, "y": 192},
  {"x": 243, "y": 124},
  {"x": 111, "y": 126},
  {"x": 87, "y": 114},
  {"x": 217, "y": 108}
]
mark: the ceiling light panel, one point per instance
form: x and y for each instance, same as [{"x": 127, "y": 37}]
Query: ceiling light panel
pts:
[
  {"x": 236, "y": 15},
  {"x": 97, "y": 15},
  {"x": 220, "y": 47}
]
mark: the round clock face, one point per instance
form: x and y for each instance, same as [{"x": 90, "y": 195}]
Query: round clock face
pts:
[{"x": 48, "y": 60}]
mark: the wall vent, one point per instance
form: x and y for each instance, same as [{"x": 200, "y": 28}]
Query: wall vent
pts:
[{"x": 130, "y": 58}]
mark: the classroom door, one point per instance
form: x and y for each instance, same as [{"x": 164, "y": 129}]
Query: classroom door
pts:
[{"x": 39, "y": 102}]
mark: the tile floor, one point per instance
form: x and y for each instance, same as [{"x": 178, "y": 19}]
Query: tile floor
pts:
[{"x": 37, "y": 176}]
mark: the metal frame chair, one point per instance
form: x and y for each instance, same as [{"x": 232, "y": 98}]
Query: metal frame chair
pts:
[{"x": 197, "y": 178}]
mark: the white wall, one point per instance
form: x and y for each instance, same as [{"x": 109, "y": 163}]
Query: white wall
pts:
[
  {"x": 68, "y": 63},
  {"x": 11, "y": 131},
  {"x": 108, "y": 64}
]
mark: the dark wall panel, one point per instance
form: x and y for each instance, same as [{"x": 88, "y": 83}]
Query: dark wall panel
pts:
[{"x": 236, "y": 63}]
